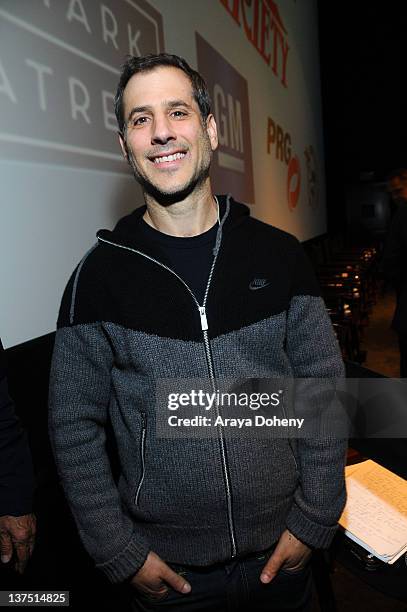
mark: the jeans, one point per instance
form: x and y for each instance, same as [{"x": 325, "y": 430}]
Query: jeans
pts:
[{"x": 234, "y": 587}]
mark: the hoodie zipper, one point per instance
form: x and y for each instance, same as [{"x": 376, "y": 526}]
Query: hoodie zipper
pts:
[
  {"x": 143, "y": 457},
  {"x": 209, "y": 360},
  {"x": 290, "y": 444}
]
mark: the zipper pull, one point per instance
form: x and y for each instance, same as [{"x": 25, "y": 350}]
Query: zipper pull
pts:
[{"x": 204, "y": 320}]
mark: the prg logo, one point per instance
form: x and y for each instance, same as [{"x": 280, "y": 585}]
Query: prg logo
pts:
[{"x": 279, "y": 144}]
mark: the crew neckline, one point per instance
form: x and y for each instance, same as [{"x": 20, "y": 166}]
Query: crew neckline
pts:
[{"x": 186, "y": 242}]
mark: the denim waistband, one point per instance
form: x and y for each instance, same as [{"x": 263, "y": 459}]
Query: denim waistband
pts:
[{"x": 204, "y": 569}]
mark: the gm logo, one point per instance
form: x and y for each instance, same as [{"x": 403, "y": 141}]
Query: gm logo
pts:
[
  {"x": 232, "y": 168},
  {"x": 59, "y": 68},
  {"x": 228, "y": 113}
]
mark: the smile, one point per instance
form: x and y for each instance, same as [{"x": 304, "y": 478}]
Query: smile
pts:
[{"x": 168, "y": 158}]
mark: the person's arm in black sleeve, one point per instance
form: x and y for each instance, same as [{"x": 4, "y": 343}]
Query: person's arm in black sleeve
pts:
[{"x": 17, "y": 523}]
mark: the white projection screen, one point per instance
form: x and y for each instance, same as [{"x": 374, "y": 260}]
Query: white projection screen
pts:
[{"x": 61, "y": 173}]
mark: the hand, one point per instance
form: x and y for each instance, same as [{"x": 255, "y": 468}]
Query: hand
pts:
[
  {"x": 18, "y": 533},
  {"x": 154, "y": 576},
  {"x": 290, "y": 553}
]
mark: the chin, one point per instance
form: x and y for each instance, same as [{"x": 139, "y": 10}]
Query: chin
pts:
[{"x": 170, "y": 194}]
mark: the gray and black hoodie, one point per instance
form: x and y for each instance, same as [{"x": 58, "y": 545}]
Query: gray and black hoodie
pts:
[{"x": 127, "y": 320}]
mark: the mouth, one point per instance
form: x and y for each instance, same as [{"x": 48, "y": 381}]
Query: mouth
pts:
[{"x": 168, "y": 159}]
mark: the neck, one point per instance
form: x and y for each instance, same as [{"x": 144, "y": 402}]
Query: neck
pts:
[{"x": 194, "y": 215}]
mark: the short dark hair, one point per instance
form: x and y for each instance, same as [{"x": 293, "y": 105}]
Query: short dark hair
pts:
[{"x": 134, "y": 65}]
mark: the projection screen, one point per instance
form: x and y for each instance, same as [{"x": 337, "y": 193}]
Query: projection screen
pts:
[{"x": 61, "y": 172}]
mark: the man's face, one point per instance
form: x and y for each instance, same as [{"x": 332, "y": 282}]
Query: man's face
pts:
[
  {"x": 398, "y": 189},
  {"x": 166, "y": 143}
]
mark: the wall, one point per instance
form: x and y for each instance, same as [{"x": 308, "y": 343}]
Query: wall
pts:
[{"x": 61, "y": 173}]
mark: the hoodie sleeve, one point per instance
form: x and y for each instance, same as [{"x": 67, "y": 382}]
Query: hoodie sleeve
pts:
[
  {"x": 314, "y": 353},
  {"x": 79, "y": 395}
]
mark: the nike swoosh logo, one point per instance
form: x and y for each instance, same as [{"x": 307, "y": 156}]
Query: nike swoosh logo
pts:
[{"x": 258, "y": 283}]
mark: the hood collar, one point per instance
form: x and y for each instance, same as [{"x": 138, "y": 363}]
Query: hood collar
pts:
[{"x": 127, "y": 231}]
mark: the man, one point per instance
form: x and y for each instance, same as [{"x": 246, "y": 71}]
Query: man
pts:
[
  {"x": 17, "y": 523},
  {"x": 397, "y": 186},
  {"x": 190, "y": 286},
  {"x": 395, "y": 258}
]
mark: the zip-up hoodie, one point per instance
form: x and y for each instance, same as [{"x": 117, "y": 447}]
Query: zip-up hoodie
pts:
[{"x": 126, "y": 321}]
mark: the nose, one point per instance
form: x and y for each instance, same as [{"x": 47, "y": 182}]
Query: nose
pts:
[{"x": 162, "y": 130}]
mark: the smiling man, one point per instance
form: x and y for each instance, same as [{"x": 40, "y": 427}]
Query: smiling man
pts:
[{"x": 190, "y": 286}]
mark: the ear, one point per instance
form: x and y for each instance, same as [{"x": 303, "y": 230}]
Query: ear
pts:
[
  {"x": 123, "y": 146},
  {"x": 212, "y": 131}
]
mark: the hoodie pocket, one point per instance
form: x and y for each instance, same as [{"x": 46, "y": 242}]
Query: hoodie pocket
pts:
[{"x": 142, "y": 458}]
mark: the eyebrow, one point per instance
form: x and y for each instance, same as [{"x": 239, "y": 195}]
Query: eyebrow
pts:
[{"x": 148, "y": 108}]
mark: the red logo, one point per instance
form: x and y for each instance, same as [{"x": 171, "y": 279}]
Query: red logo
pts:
[
  {"x": 264, "y": 29},
  {"x": 293, "y": 182},
  {"x": 279, "y": 143}
]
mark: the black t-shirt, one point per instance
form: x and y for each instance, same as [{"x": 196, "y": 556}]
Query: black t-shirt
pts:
[{"x": 191, "y": 258}]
